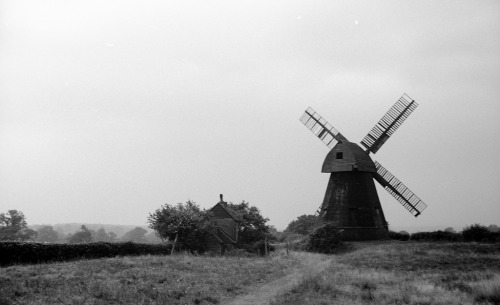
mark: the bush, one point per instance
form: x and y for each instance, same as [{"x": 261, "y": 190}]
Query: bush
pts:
[
  {"x": 399, "y": 236},
  {"x": 325, "y": 239},
  {"x": 436, "y": 236},
  {"x": 33, "y": 253},
  {"x": 476, "y": 232},
  {"x": 304, "y": 224},
  {"x": 260, "y": 248},
  {"x": 237, "y": 253}
]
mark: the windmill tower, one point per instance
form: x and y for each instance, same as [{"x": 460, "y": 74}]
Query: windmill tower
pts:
[{"x": 351, "y": 201}]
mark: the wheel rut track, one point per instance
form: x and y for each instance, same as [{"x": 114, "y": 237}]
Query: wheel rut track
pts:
[{"x": 263, "y": 294}]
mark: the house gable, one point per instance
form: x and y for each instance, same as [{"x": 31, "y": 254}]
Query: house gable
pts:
[{"x": 224, "y": 228}]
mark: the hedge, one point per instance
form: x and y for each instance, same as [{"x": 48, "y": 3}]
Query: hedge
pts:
[
  {"x": 398, "y": 236},
  {"x": 437, "y": 236},
  {"x": 12, "y": 253}
]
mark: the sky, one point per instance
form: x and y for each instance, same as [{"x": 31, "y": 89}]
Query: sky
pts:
[{"x": 110, "y": 109}]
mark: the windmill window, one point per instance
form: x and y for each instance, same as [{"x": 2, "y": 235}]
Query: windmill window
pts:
[{"x": 339, "y": 155}]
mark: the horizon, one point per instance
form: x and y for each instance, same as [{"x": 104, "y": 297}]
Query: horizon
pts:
[{"x": 409, "y": 229}]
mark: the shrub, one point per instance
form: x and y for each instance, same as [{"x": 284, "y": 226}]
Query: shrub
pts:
[
  {"x": 300, "y": 245},
  {"x": 259, "y": 247},
  {"x": 325, "y": 239},
  {"x": 237, "y": 253},
  {"x": 399, "y": 236},
  {"x": 304, "y": 224},
  {"x": 476, "y": 232},
  {"x": 436, "y": 236}
]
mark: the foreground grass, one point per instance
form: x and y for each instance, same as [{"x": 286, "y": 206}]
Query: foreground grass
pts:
[
  {"x": 405, "y": 273},
  {"x": 178, "y": 279}
]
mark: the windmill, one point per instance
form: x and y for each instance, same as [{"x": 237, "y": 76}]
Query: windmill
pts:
[{"x": 351, "y": 201}]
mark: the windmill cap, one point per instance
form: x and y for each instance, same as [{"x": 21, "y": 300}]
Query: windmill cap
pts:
[{"x": 347, "y": 156}]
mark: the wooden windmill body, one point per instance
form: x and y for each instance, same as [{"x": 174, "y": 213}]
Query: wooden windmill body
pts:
[{"x": 351, "y": 201}]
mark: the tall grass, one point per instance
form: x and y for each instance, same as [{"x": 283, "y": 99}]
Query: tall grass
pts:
[
  {"x": 177, "y": 279},
  {"x": 407, "y": 273},
  {"x": 375, "y": 273}
]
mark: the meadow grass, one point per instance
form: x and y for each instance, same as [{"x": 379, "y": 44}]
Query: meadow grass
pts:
[
  {"x": 177, "y": 279},
  {"x": 405, "y": 273},
  {"x": 370, "y": 273}
]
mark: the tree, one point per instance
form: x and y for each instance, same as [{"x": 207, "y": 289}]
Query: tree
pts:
[
  {"x": 152, "y": 237},
  {"x": 112, "y": 236},
  {"x": 101, "y": 235},
  {"x": 13, "y": 226},
  {"x": 82, "y": 236},
  {"x": 450, "y": 230},
  {"x": 274, "y": 234},
  {"x": 476, "y": 232},
  {"x": 252, "y": 226},
  {"x": 186, "y": 221},
  {"x": 493, "y": 228},
  {"x": 47, "y": 234},
  {"x": 137, "y": 235},
  {"x": 304, "y": 224}
]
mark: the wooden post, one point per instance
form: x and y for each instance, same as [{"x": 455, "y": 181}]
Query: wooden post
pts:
[
  {"x": 287, "y": 246},
  {"x": 265, "y": 245},
  {"x": 175, "y": 242}
]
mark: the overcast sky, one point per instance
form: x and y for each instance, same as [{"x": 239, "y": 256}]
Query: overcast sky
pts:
[{"x": 109, "y": 109}]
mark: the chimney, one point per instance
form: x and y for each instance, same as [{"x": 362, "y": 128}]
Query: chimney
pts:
[{"x": 222, "y": 200}]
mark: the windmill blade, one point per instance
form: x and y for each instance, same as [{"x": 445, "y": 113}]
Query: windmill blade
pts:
[
  {"x": 399, "y": 191},
  {"x": 389, "y": 123},
  {"x": 321, "y": 210},
  {"x": 321, "y": 128}
]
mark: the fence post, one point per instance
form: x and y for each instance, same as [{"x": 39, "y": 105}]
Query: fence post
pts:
[{"x": 175, "y": 242}]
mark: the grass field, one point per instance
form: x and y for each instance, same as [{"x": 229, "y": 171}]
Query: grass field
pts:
[
  {"x": 178, "y": 279},
  {"x": 405, "y": 273},
  {"x": 371, "y": 273}
]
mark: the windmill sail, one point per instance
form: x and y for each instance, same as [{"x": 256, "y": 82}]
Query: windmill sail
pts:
[
  {"x": 398, "y": 190},
  {"x": 321, "y": 210},
  {"x": 321, "y": 128},
  {"x": 389, "y": 123}
]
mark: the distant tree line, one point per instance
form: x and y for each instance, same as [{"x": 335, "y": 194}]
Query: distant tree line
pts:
[
  {"x": 189, "y": 223},
  {"x": 13, "y": 227},
  {"x": 472, "y": 233}
]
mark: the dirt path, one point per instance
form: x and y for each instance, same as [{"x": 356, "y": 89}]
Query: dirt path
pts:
[{"x": 262, "y": 294}]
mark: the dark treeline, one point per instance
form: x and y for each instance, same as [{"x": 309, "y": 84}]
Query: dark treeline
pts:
[
  {"x": 472, "y": 233},
  {"x": 32, "y": 253}
]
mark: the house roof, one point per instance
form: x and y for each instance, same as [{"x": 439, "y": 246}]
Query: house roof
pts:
[
  {"x": 221, "y": 236},
  {"x": 224, "y": 206},
  {"x": 224, "y": 236}
]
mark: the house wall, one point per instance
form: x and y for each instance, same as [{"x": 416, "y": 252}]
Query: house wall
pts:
[
  {"x": 213, "y": 245},
  {"x": 225, "y": 221}
]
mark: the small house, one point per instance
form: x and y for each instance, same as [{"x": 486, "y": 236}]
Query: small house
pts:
[{"x": 223, "y": 228}]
